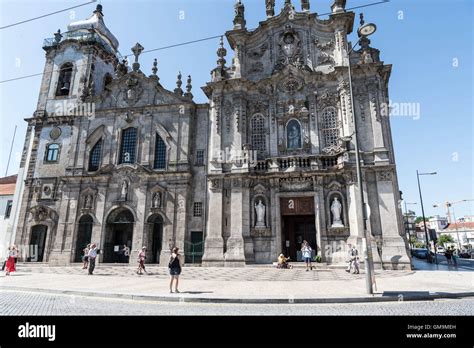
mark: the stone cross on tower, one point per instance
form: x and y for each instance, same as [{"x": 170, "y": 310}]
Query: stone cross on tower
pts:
[{"x": 137, "y": 50}]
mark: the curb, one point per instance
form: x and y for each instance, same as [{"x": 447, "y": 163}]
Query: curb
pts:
[{"x": 290, "y": 300}]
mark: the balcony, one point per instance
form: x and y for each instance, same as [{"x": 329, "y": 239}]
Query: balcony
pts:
[
  {"x": 298, "y": 163},
  {"x": 82, "y": 37}
]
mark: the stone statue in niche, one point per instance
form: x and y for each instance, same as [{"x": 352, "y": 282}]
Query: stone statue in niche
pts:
[
  {"x": 294, "y": 135},
  {"x": 88, "y": 202},
  {"x": 260, "y": 210},
  {"x": 156, "y": 201},
  {"x": 124, "y": 191},
  {"x": 336, "y": 210}
]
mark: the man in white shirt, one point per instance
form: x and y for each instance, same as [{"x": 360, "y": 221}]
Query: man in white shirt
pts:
[{"x": 92, "y": 256}]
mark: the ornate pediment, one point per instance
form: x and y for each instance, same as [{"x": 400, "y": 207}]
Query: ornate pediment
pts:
[
  {"x": 135, "y": 89},
  {"x": 42, "y": 213}
]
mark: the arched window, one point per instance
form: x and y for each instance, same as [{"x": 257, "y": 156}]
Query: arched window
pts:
[
  {"x": 258, "y": 135},
  {"x": 64, "y": 81},
  {"x": 160, "y": 153},
  {"x": 95, "y": 156},
  {"x": 52, "y": 153},
  {"x": 293, "y": 135},
  {"x": 329, "y": 127},
  {"x": 107, "y": 80},
  {"x": 128, "y": 146}
]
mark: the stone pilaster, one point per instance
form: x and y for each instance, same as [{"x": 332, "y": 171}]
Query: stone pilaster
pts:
[
  {"x": 394, "y": 255},
  {"x": 214, "y": 243},
  {"x": 235, "y": 255}
]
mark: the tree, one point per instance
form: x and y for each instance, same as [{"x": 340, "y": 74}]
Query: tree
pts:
[
  {"x": 420, "y": 219},
  {"x": 445, "y": 238}
]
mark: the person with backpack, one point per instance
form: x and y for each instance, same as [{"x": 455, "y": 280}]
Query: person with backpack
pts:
[{"x": 174, "y": 267}]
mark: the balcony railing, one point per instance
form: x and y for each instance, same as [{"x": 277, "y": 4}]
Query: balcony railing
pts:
[
  {"x": 88, "y": 38},
  {"x": 297, "y": 163}
]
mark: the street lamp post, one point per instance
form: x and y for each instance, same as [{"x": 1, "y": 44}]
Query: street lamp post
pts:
[
  {"x": 423, "y": 212},
  {"x": 364, "y": 31}
]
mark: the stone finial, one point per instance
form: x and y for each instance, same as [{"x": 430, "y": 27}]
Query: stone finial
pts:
[
  {"x": 221, "y": 53},
  {"x": 305, "y": 5},
  {"x": 178, "y": 90},
  {"x": 137, "y": 50},
  {"x": 154, "y": 70},
  {"x": 270, "y": 7},
  {"x": 189, "y": 87},
  {"x": 338, "y": 6},
  {"x": 98, "y": 11},
  {"x": 58, "y": 36},
  {"x": 239, "y": 19}
]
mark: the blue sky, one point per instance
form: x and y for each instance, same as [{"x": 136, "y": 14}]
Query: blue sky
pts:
[{"x": 422, "y": 39}]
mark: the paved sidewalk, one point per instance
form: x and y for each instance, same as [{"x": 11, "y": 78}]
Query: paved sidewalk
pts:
[{"x": 251, "y": 285}]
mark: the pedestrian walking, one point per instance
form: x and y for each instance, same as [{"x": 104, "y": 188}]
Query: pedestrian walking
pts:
[
  {"x": 349, "y": 259},
  {"x": 10, "y": 264},
  {"x": 141, "y": 261},
  {"x": 85, "y": 256},
  {"x": 454, "y": 253},
  {"x": 306, "y": 251},
  {"x": 175, "y": 269},
  {"x": 448, "y": 256},
  {"x": 353, "y": 260},
  {"x": 92, "y": 256}
]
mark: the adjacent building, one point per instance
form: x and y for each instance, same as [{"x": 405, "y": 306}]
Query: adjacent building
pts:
[{"x": 7, "y": 192}]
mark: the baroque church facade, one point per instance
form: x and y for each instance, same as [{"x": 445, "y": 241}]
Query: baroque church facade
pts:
[{"x": 267, "y": 163}]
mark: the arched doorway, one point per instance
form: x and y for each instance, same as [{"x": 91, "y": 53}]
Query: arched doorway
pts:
[
  {"x": 37, "y": 243},
  {"x": 155, "y": 238},
  {"x": 119, "y": 232},
  {"x": 84, "y": 235}
]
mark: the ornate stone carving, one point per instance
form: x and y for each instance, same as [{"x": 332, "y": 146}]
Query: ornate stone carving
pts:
[
  {"x": 336, "y": 210},
  {"x": 385, "y": 175},
  {"x": 40, "y": 213},
  {"x": 217, "y": 107},
  {"x": 296, "y": 184},
  {"x": 291, "y": 85},
  {"x": 290, "y": 52},
  {"x": 133, "y": 90},
  {"x": 261, "y": 232},
  {"x": 88, "y": 201},
  {"x": 228, "y": 113},
  {"x": 55, "y": 133},
  {"x": 156, "y": 201},
  {"x": 124, "y": 190},
  {"x": 260, "y": 214}
]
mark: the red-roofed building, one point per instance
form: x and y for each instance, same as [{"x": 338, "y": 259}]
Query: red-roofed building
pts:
[{"x": 462, "y": 231}]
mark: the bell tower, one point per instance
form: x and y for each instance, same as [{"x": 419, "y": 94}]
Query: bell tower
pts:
[{"x": 79, "y": 64}]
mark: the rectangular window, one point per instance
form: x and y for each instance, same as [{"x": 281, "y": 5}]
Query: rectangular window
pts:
[
  {"x": 200, "y": 157},
  {"x": 197, "y": 209},
  {"x": 8, "y": 210},
  {"x": 52, "y": 153},
  {"x": 128, "y": 147}
]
